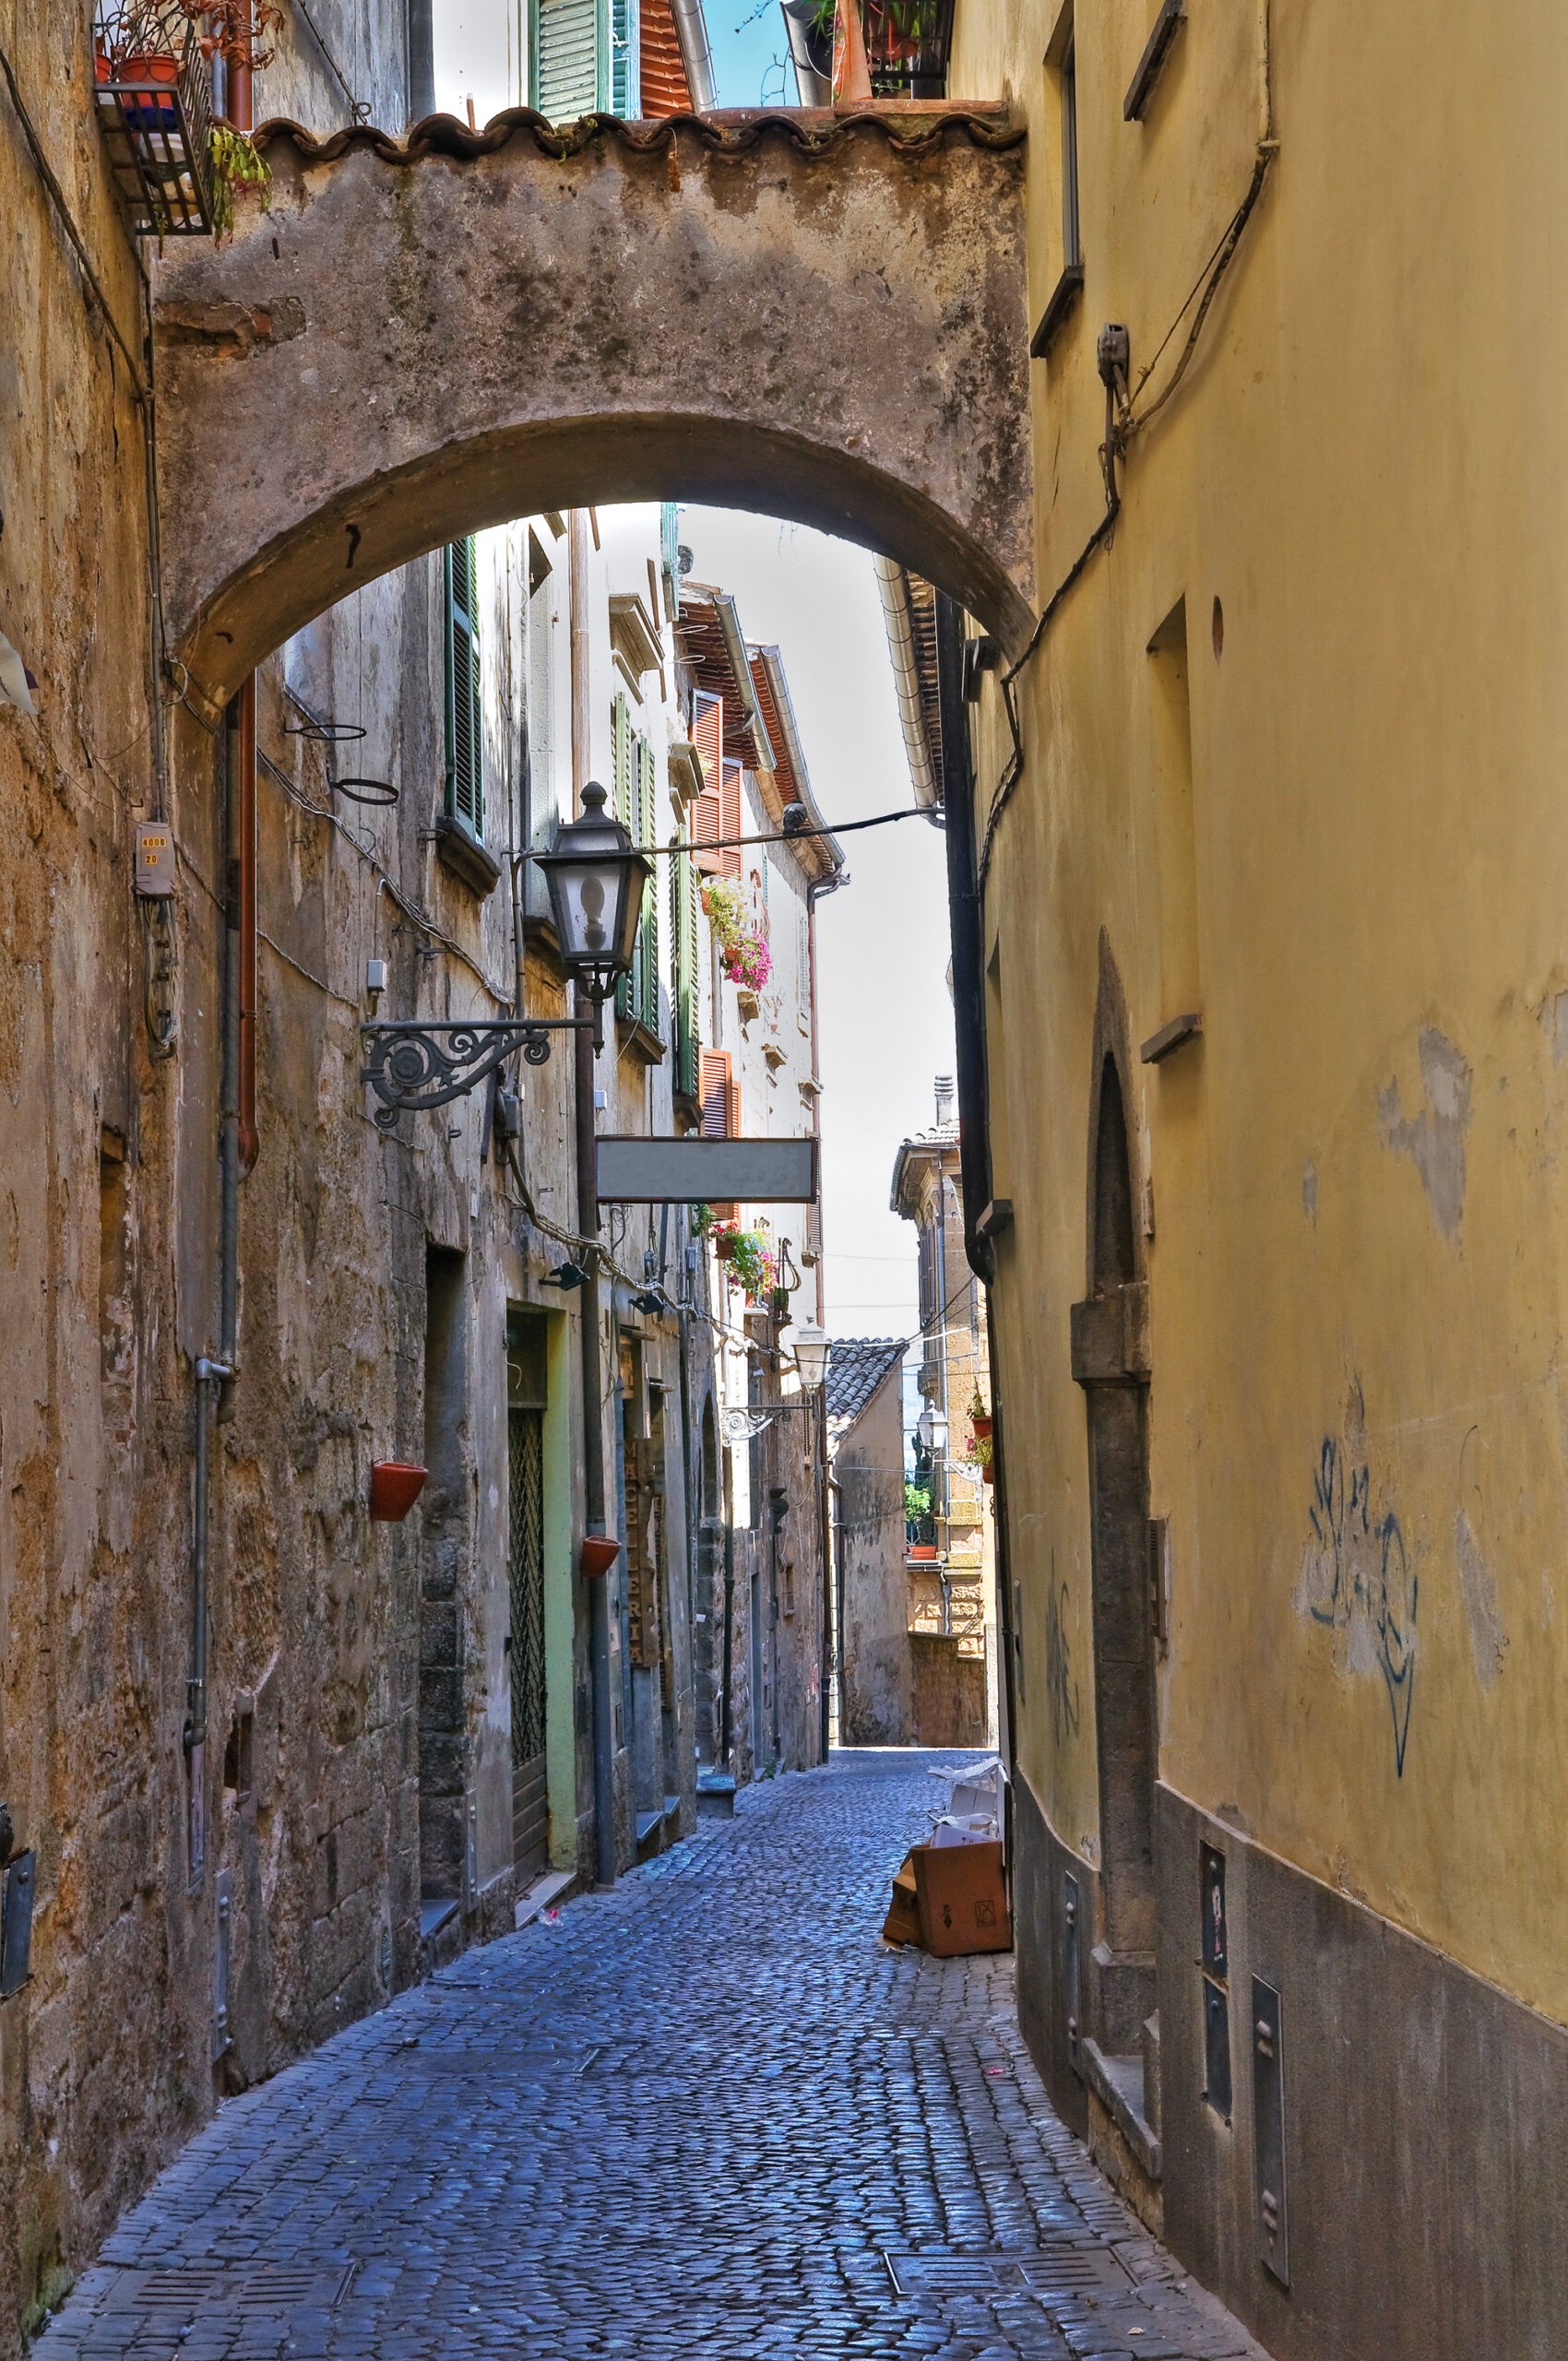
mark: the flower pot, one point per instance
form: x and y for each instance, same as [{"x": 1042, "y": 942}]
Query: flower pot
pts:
[
  {"x": 724, "y": 1247},
  {"x": 153, "y": 78},
  {"x": 922, "y": 1553},
  {"x": 394, "y": 1486},
  {"x": 988, "y": 1473},
  {"x": 599, "y": 1553},
  {"x": 982, "y": 1427},
  {"x": 779, "y": 1302}
]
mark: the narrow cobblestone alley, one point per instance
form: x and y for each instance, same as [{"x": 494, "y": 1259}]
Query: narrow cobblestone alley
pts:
[{"x": 709, "y": 2115}]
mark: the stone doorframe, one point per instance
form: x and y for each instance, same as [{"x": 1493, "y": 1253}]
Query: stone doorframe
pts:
[{"x": 1111, "y": 1361}]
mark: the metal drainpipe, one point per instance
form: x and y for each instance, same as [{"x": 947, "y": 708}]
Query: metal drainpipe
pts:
[
  {"x": 587, "y": 1226},
  {"x": 815, "y": 890},
  {"x": 824, "y": 1543},
  {"x": 241, "y": 750},
  {"x": 974, "y": 1112},
  {"x": 696, "y": 57},
  {"x": 968, "y": 944}
]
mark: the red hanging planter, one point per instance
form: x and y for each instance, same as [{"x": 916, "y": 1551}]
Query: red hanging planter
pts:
[
  {"x": 600, "y": 1551},
  {"x": 394, "y": 1486}
]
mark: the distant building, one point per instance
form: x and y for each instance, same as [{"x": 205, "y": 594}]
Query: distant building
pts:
[
  {"x": 865, "y": 1435},
  {"x": 951, "y": 1559}
]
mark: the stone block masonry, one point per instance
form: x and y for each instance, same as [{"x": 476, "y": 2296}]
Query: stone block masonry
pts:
[{"x": 804, "y": 2142}]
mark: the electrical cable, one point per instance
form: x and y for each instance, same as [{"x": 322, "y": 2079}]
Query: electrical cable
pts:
[{"x": 1121, "y": 429}]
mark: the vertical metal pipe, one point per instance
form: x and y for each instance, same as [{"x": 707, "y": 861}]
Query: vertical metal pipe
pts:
[
  {"x": 587, "y": 1226},
  {"x": 248, "y": 1135},
  {"x": 818, "y": 1414},
  {"x": 969, "y": 950}
]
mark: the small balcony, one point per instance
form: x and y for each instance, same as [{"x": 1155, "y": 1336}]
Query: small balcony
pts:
[
  {"x": 153, "y": 90},
  {"x": 907, "y": 43}
]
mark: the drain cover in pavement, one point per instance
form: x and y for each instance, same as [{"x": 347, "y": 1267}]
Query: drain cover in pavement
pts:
[
  {"x": 192, "y": 2291},
  {"x": 1059, "y": 2270}
]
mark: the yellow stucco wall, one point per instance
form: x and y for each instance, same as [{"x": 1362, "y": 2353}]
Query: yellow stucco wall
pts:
[{"x": 1357, "y": 1178}]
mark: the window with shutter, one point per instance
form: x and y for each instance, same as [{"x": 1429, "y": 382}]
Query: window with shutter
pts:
[
  {"x": 465, "y": 710},
  {"x": 708, "y": 736},
  {"x": 569, "y": 45}
]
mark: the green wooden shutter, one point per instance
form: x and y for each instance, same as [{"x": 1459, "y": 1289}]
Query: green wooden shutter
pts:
[
  {"x": 464, "y": 707},
  {"x": 647, "y": 824},
  {"x": 570, "y": 48},
  {"x": 628, "y": 991},
  {"x": 683, "y": 909},
  {"x": 625, "y": 59}
]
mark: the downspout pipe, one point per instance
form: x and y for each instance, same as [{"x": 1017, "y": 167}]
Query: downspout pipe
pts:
[
  {"x": 969, "y": 940},
  {"x": 588, "y": 1227},
  {"x": 697, "y": 56}
]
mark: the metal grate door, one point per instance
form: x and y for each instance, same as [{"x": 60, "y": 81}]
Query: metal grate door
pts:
[{"x": 530, "y": 1800}]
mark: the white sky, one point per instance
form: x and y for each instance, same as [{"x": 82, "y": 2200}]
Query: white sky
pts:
[{"x": 886, "y": 1015}]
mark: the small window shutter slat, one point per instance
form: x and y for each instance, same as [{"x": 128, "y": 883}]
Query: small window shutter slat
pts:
[
  {"x": 683, "y": 926},
  {"x": 625, "y": 59},
  {"x": 464, "y": 707},
  {"x": 629, "y": 990},
  {"x": 720, "y": 1109},
  {"x": 648, "y": 823},
  {"x": 570, "y": 65},
  {"x": 730, "y": 818}
]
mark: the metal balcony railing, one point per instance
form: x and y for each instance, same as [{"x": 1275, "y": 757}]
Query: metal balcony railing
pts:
[{"x": 154, "y": 98}]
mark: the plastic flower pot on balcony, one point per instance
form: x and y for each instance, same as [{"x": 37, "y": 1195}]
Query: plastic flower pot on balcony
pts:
[
  {"x": 149, "y": 84},
  {"x": 600, "y": 1551},
  {"x": 981, "y": 1425},
  {"x": 922, "y": 1553},
  {"x": 394, "y": 1486}
]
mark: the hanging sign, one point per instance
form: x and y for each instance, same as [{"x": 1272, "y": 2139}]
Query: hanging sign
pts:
[{"x": 707, "y": 1172}]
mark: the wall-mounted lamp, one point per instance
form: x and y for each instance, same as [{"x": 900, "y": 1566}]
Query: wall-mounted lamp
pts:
[{"x": 597, "y": 878}]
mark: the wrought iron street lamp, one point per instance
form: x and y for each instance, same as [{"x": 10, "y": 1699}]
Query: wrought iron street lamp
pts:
[
  {"x": 811, "y": 1358},
  {"x": 597, "y": 879}
]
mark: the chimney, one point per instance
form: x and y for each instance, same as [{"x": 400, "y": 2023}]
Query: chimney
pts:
[{"x": 943, "y": 1098}]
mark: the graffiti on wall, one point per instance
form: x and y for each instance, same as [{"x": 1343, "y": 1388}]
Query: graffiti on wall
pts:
[
  {"x": 1357, "y": 1577},
  {"x": 1061, "y": 1686}
]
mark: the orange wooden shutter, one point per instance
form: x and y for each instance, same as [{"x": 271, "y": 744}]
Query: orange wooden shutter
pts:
[
  {"x": 720, "y": 1110},
  {"x": 708, "y": 736}
]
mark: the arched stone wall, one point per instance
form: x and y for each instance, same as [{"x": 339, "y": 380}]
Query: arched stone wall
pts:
[{"x": 821, "y": 318}]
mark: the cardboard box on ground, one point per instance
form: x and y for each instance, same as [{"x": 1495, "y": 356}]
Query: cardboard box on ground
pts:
[{"x": 950, "y": 1895}]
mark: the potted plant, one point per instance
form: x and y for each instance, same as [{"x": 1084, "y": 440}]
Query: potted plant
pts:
[{"x": 743, "y": 950}]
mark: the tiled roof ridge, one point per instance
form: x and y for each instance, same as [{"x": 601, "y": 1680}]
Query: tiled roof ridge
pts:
[{"x": 813, "y": 132}]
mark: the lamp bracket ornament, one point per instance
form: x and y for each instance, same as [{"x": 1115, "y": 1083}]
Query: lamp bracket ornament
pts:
[{"x": 413, "y": 1066}]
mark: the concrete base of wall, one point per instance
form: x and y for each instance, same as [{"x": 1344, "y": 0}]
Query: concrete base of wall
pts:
[{"x": 1425, "y": 2112}]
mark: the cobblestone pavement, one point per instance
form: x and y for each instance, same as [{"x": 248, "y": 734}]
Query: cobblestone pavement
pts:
[{"x": 709, "y": 2117}]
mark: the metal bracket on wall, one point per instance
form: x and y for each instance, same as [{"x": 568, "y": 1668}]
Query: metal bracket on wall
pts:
[{"x": 413, "y": 1067}]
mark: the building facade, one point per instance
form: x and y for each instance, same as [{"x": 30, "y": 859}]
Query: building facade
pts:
[
  {"x": 951, "y": 1546},
  {"x": 1262, "y": 897},
  {"x": 865, "y": 1429}
]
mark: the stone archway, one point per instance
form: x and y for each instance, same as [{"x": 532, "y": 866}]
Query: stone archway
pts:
[{"x": 414, "y": 340}]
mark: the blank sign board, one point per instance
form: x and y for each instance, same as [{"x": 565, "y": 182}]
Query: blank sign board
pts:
[{"x": 703, "y": 1172}]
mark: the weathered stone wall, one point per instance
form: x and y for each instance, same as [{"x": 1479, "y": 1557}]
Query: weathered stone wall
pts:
[{"x": 878, "y": 1699}]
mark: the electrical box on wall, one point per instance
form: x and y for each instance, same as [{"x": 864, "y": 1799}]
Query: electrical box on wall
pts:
[{"x": 155, "y": 860}]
